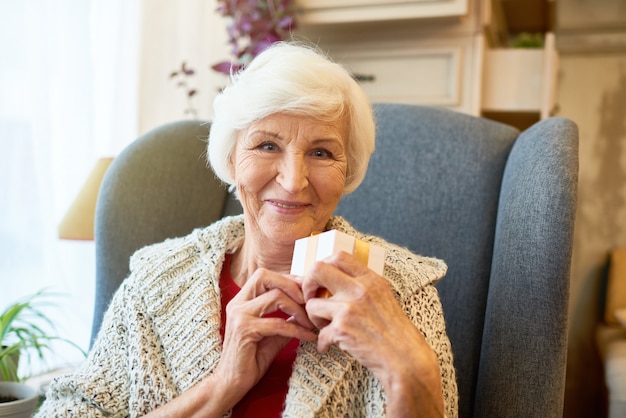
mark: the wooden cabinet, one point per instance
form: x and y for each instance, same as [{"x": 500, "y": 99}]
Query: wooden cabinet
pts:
[
  {"x": 418, "y": 60},
  {"x": 435, "y": 72},
  {"x": 342, "y": 11},
  {"x": 442, "y": 53}
]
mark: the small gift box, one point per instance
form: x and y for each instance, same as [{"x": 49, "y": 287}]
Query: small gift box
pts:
[{"x": 317, "y": 247}]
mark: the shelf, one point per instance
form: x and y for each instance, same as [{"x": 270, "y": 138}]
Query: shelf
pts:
[
  {"x": 311, "y": 12},
  {"x": 449, "y": 53},
  {"x": 503, "y": 19},
  {"x": 529, "y": 15},
  {"x": 520, "y": 80},
  {"x": 520, "y": 120}
]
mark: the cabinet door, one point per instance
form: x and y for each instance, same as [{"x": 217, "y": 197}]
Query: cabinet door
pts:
[
  {"x": 428, "y": 76},
  {"x": 341, "y": 11},
  {"x": 433, "y": 72}
]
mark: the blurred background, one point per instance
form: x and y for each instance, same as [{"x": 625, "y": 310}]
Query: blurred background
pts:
[{"x": 81, "y": 79}]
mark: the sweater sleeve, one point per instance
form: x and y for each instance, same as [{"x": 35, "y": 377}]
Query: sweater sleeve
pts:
[
  {"x": 100, "y": 387},
  {"x": 413, "y": 278}
]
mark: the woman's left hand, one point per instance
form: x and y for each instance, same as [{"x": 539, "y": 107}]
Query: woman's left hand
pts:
[{"x": 363, "y": 318}]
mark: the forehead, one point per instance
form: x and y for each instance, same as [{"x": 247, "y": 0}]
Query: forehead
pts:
[{"x": 290, "y": 123}]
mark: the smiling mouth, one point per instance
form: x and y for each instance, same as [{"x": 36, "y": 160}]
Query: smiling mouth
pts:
[{"x": 284, "y": 205}]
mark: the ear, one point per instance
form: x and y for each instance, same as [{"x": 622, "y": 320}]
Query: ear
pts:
[
  {"x": 231, "y": 166},
  {"x": 230, "y": 162}
]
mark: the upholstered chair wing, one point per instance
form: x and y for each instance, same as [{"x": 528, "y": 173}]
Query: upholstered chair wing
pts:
[
  {"x": 496, "y": 204},
  {"x": 159, "y": 187}
]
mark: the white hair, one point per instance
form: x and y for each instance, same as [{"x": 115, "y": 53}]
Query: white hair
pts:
[{"x": 298, "y": 79}]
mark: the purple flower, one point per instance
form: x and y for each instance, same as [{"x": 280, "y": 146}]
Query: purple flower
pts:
[{"x": 254, "y": 26}]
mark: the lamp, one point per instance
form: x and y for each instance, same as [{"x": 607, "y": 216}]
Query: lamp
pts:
[{"x": 78, "y": 222}]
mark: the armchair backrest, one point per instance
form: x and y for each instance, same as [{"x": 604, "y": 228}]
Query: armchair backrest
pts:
[
  {"x": 498, "y": 206},
  {"x": 159, "y": 187}
]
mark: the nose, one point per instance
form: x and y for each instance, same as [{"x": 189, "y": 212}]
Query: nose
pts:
[{"x": 293, "y": 173}]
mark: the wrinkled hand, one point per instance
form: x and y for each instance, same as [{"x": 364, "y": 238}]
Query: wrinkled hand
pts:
[
  {"x": 363, "y": 318},
  {"x": 251, "y": 342}
]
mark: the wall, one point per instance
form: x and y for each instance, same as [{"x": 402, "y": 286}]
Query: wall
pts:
[
  {"x": 173, "y": 32},
  {"x": 592, "y": 44},
  {"x": 596, "y": 104}
]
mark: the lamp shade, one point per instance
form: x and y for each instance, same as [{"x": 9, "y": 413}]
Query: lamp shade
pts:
[{"x": 78, "y": 222}]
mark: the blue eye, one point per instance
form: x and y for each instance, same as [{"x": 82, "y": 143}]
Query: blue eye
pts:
[
  {"x": 268, "y": 146},
  {"x": 321, "y": 153}
]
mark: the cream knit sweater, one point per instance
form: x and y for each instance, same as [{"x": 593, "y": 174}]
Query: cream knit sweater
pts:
[{"x": 161, "y": 335}]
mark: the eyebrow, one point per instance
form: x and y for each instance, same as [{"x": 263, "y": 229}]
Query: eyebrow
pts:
[
  {"x": 268, "y": 133},
  {"x": 332, "y": 139}
]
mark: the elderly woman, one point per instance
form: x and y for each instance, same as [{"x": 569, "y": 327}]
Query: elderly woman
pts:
[{"x": 213, "y": 324}]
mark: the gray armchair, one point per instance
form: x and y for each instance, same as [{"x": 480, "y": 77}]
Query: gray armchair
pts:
[{"x": 498, "y": 206}]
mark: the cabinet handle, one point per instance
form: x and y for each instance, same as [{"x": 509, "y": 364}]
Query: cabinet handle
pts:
[{"x": 364, "y": 78}]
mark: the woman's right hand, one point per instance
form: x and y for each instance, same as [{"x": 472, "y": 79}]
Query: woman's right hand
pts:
[{"x": 252, "y": 341}]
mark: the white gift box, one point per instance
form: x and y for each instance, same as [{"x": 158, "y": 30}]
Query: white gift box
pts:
[{"x": 317, "y": 247}]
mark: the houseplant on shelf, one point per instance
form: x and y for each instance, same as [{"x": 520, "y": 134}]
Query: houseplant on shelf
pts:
[
  {"x": 22, "y": 335},
  {"x": 253, "y": 25}
]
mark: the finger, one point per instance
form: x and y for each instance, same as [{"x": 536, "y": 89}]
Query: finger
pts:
[
  {"x": 319, "y": 276},
  {"x": 263, "y": 280},
  {"x": 347, "y": 263},
  {"x": 325, "y": 279},
  {"x": 295, "y": 310},
  {"x": 324, "y": 340},
  {"x": 307, "y": 334},
  {"x": 253, "y": 328},
  {"x": 270, "y": 302},
  {"x": 343, "y": 337},
  {"x": 295, "y": 278},
  {"x": 270, "y": 327},
  {"x": 320, "y": 311}
]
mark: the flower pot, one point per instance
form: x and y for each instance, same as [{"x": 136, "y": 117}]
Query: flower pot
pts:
[{"x": 24, "y": 403}]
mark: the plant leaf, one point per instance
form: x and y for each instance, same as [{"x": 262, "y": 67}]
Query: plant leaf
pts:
[
  {"x": 223, "y": 67},
  {"x": 21, "y": 332}
]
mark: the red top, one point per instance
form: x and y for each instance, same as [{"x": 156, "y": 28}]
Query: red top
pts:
[{"x": 267, "y": 397}]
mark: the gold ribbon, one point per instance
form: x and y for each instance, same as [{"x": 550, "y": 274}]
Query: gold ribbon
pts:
[{"x": 362, "y": 251}]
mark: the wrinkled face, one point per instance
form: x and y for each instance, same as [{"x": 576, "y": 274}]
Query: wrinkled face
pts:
[{"x": 290, "y": 172}]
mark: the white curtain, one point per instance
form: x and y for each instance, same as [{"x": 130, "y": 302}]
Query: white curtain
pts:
[{"x": 68, "y": 96}]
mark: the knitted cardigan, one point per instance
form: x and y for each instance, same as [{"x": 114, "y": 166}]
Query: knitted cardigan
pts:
[{"x": 161, "y": 335}]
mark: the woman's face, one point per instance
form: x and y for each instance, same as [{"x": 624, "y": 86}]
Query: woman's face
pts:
[{"x": 290, "y": 172}]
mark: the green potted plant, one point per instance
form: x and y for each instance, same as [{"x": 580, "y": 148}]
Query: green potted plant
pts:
[{"x": 22, "y": 335}]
